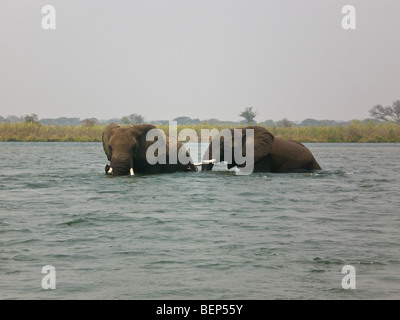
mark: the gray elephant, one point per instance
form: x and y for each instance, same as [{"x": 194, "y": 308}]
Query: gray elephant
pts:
[
  {"x": 271, "y": 154},
  {"x": 126, "y": 149}
]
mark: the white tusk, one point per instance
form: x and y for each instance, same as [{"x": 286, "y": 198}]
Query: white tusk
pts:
[
  {"x": 205, "y": 162},
  {"x": 209, "y": 161},
  {"x": 110, "y": 171},
  {"x": 132, "y": 173}
]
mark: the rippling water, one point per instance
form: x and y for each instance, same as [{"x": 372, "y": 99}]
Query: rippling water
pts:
[{"x": 204, "y": 235}]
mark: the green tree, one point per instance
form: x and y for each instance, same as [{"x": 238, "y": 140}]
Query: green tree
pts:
[
  {"x": 248, "y": 114},
  {"x": 89, "y": 122},
  {"x": 33, "y": 118},
  {"x": 132, "y": 119},
  {"x": 136, "y": 118},
  {"x": 387, "y": 113},
  {"x": 125, "y": 120},
  {"x": 287, "y": 123}
]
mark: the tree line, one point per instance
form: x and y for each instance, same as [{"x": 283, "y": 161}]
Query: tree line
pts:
[{"x": 378, "y": 113}]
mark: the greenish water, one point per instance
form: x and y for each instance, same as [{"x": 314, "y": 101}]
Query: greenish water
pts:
[{"x": 204, "y": 235}]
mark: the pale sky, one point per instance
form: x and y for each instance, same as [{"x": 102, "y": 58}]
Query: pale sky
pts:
[{"x": 199, "y": 58}]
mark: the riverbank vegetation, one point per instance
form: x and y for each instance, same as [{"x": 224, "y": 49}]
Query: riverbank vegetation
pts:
[{"x": 355, "y": 131}]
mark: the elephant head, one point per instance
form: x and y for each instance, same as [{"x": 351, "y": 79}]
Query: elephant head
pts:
[
  {"x": 125, "y": 147},
  {"x": 234, "y": 143}
]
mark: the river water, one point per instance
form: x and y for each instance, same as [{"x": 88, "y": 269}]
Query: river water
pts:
[{"x": 204, "y": 235}]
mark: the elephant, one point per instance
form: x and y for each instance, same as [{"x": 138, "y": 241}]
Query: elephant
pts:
[
  {"x": 126, "y": 149},
  {"x": 271, "y": 154}
]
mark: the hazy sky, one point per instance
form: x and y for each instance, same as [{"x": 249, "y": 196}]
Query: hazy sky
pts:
[{"x": 199, "y": 58}]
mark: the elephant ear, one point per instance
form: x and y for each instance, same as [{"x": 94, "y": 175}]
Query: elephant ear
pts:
[
  {"x": 263, "y": 140},
  {"x": 106, "y": 137},
  {"x": 139, "y": 132}
]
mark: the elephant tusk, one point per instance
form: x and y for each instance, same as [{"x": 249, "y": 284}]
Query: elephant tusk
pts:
[
  {"x": 132, "y": 173},
  {"x": 205, "y": 162},
  {"x": 110, "y": 171}
]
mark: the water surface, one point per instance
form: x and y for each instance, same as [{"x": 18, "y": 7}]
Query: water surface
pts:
[{"x": 204, "y": 235}]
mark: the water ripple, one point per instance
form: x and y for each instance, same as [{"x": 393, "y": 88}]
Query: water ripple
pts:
[{"x": 208, "y": 235}]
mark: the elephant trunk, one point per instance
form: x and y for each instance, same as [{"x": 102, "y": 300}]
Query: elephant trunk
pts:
[
  {"x": 207, "y": 166},
  {"x": 119, "y": 167},
  {"x": 208, "y": 159}
]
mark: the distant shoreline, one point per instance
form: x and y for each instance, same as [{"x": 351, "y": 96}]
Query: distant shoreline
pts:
[{"x": 356, "y": 131}]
